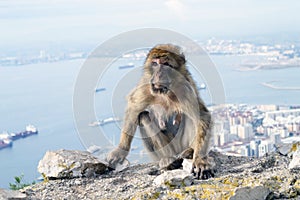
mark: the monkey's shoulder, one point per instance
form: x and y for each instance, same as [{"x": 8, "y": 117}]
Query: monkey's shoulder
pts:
[{"x": 140, "y": 94}]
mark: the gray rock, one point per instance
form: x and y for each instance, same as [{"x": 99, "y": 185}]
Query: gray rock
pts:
[
  {"x": 295, "y": 162},
  {"x": 187, "y": 165},
  {"x": 287, "y": 149},
  {"x": 70, "y": 164},
  {"x": 11, "y": 194},
  {"x": 248, "y": 193},
  {"x": 144, "y": 181},
  {"x": 174, "y": 178},
  {"x": 284, "y": 148}
]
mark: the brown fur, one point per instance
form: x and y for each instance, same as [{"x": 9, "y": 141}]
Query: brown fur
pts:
[{"x": 166, "y": 105}]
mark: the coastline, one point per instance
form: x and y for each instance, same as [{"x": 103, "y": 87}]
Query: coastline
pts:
[
  {"x": 245, "y": 68},
  {"x": 272, "y": 86}
]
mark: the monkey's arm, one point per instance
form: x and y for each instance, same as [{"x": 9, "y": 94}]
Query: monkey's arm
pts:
[
  {"x": 120, "y": 153},
  {"x": 129, "y": 126},
  {"x": 136, "y": 104}
]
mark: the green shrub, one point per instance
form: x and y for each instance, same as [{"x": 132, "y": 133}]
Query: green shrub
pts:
[{"x": 19, "y": 183}]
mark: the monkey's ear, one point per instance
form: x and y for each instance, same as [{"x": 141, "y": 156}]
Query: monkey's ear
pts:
[{"x": 182, "y": 59}]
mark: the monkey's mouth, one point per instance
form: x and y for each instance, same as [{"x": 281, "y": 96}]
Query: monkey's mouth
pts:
[{"x": 158, "y": 88}]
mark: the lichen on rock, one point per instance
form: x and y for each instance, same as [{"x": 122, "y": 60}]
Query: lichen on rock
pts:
[
  {"x": 268, "y": 177},
  {"x": 70, "y": 164}
]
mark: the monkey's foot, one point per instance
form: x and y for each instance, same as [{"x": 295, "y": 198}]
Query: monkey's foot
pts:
[
  {"x": 170, "y": 163},
  {"x": 203, "y": 167}
]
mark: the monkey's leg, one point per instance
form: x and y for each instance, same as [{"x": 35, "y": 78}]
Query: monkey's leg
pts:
[
  {"x": 202, "y": 163},
  {"x": 157, "y": 142}
]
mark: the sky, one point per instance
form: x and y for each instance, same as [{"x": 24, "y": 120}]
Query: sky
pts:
[{"x": 36, "y": 22}]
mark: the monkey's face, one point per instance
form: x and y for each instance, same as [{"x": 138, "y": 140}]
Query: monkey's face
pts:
[
  {"x": 163, "y": 64},
  {"x": 161, "y": 75},
  {"x": 164, "y": 72}
]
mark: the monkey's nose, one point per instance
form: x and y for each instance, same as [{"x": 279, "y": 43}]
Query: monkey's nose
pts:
[{"x": 157, "y": 86}]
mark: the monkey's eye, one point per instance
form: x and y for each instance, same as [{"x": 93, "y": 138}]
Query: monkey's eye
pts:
[
  {"x": 154, "y": 63},
  {"x": 168, "y": 64}
]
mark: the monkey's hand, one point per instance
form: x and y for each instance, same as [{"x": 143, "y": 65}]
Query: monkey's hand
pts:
[
  {"x": 203, "y": 167},
  {"x": 116, "y": 156}
]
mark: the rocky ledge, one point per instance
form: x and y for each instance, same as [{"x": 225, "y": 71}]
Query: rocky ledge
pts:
[{"x": 79, "y": 175}]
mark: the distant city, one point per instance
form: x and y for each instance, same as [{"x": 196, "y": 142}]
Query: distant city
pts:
[
  {"x": 249, "y": 130},
  {"x": 274, "y": 55},
  {"x": 269, "y": 56},
  {"x": 42, "y": 57},
  {"x": 246, "y": 130}
]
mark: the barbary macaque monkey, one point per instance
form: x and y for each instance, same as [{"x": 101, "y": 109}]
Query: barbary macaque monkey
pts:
[{"x": 174, "y": 122}]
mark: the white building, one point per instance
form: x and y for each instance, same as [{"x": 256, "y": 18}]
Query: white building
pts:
[
  {"x": 254, "y": 148},
  {"x": 264, "y": 147},
  {"x": 245, "y": 131},
  {"x": 275, "y": 138},
  {"x": 283, "y": 113},
  {"x": 245, "y": 150},
  {"x": 234, "y": 129}
]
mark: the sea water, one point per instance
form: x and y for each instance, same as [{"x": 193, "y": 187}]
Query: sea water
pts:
[{"x": 41, "y": 94}]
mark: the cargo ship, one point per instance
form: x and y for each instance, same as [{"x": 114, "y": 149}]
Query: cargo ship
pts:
[
  {"x": 129, "y": 65},
  {"x": 6, "y": 139},
  {"x": 104, "y": 121},
  {"x": 99, "y": 89},
  {"x": 4, "y": 143},
  {"x": 30, "y": 130}
]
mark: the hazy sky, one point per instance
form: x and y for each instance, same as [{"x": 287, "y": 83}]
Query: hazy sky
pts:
[{"x": 32, "y": 22}]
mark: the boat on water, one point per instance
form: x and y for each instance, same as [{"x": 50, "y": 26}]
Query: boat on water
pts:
[
  {"x": 129, "y": 65},
  {"x": 30, "y": 130},
  {"x": 202, "y": 86},
  {"x": 4, "y": 143},
  {"x": 6, "y": 139},
  {"x": 105, "y": 121},
  {"x": 99, "y": 89}
]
